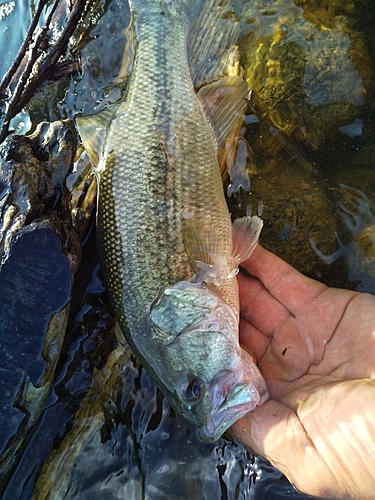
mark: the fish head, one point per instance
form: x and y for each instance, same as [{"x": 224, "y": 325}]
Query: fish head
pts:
[{"x": 205, "y": 374}]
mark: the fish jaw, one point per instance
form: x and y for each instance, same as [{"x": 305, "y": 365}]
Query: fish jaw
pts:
[
  {"x": 247, "y": 389},
  {"x": 201, "y": 368}
]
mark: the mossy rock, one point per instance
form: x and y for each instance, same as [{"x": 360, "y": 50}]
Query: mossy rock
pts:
[{"x": 310, "y": 74}]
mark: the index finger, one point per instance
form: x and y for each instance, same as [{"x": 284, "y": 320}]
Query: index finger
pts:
[{"x": 286, "y": 284}]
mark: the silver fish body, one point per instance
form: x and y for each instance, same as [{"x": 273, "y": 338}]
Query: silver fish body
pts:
[{"x": 160, "y": 198}]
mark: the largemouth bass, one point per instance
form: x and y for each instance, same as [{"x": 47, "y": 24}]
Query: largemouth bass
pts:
[{"x": 164, "y": 229}]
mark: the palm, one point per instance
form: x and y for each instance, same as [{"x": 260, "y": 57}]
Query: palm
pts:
[{"x": 316, "y": 349}]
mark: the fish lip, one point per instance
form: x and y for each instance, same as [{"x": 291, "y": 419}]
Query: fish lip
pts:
[{"x": 240, "y": 400}]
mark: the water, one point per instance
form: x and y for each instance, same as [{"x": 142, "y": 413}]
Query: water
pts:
[
  {"x": 11, "y": 32},
  {"x": 106, "y": 431}
]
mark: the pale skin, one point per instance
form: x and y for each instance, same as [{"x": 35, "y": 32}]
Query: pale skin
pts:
[{"x": 315, "y": 346}]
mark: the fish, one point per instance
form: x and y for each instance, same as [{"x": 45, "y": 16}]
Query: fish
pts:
[{"x": 168, "y": 249}]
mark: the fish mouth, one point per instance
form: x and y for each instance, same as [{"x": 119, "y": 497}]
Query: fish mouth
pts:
[{"x": 241, "y": 399}]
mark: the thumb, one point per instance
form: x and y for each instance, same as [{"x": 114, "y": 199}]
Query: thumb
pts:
[{"x": 274, "y": 431}]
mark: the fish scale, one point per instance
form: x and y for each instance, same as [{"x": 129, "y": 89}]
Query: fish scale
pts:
[
  {"x": 164, "y": 230},
  {"x": 161, "y": 160}
]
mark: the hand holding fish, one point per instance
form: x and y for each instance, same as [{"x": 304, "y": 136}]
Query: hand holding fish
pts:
[{"x": 315, "y": 347}]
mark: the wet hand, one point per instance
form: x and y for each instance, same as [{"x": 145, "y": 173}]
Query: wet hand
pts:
[{"x": 316, "y": 349}]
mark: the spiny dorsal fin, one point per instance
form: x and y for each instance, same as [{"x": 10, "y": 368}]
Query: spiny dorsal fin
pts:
[{"x": 223, "y": 102}]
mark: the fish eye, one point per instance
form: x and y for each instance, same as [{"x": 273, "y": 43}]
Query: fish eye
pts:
[{"x": 194, "y": 391}]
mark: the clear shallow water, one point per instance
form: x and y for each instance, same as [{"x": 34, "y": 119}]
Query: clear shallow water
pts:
[
  {"x": 11, "y": 32},
  {"x": 106, "y": 431}
]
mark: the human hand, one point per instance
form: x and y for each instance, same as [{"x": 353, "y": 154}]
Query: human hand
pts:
[{"x": 315, "y": 347}]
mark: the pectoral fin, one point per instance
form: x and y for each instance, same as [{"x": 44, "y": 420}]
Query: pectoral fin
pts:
[
  {"x": 246, "y": 231},
  {"x": 205, "y": 250}
]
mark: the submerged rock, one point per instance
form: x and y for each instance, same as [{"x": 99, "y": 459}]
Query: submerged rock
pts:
[
  {"x": 312, "y": 77},
  {"x": 356, "y": 233},
  {"x": 308, "y": 67},
  {"x": 297, "y": 215}
]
